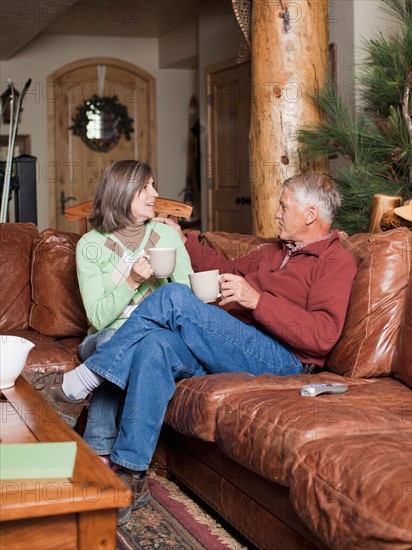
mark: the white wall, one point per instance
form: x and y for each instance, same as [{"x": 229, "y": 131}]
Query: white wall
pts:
[
  {"x": 351, "y": 24},
  {"x": 369, "y": 20},
  {"x": 174, "y": 89},
  {"x": 341, "y": 32},
  {"x": 179, "y": 48}
]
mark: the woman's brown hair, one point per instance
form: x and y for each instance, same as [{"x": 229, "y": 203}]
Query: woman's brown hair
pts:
[{"x": 117, "y": 187}]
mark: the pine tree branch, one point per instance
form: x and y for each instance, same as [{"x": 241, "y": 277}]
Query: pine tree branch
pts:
[
  {"x": 376, "y": 140},
  {"x": 405, "y": 105},
  {"x": 406, "y": 114}
]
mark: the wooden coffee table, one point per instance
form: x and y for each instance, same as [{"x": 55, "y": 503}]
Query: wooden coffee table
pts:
[{"x": 76, "y": 513}]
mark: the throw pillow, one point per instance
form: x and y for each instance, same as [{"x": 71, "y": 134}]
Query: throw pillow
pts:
[
  {"x": 57, "y": 308},
  {"x": 16, "y": 241}
]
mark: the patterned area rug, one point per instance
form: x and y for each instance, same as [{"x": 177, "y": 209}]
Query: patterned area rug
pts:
[{"x": 173, "y": 520}]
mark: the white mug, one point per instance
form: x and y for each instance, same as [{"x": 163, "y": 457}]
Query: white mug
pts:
[
  {"x": 163, "y": 261},
  {"x": 205, "y": 285}
]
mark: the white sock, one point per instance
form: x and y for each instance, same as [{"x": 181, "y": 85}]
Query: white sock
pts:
[{"x": 78, "y": 383}]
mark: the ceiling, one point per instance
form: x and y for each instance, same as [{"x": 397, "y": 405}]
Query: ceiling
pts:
[{"x": 22, "y": 20}]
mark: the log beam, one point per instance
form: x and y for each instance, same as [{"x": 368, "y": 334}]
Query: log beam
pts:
[{"x": 289, "y": 45}]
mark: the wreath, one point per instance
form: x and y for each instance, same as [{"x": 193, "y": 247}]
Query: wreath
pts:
[{"x": 104, "y": 107}]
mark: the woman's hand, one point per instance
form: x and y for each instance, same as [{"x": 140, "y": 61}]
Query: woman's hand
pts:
[
  {"x": 176, "y": 226},
  {"x": 140, "y": 272},
  {"x": 235, "y": 288}
]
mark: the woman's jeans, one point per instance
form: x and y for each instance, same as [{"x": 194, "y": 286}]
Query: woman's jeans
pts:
[
  {"x": 101, "y": 426},
  {"x": 173, "y": 335}
]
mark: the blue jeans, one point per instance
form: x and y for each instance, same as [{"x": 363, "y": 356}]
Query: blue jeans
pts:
[
  {"x": 173, "y": 335},
  {"x": 101, "y": 426}
]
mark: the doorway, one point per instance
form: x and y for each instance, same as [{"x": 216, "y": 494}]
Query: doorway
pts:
[
  {"x": 74, "y": 169},
  {"x": 229, "y": 194}
]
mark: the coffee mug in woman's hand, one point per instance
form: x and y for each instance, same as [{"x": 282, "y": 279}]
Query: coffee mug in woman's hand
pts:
[{"x": 163, "y": 261}]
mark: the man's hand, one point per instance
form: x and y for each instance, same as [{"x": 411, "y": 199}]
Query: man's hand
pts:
[
  {"x": 176, "y": 226},
  {"x": 236, "y": 289}
]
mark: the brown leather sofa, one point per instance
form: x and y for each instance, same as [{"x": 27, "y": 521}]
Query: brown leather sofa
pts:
[{"x": 286, "y": 471}]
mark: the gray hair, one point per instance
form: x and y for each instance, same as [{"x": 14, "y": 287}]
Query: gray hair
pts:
[
  {"x": 317, "y": 189},
  {"x": 119, "y": 183}
]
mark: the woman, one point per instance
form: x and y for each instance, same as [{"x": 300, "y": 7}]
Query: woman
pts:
[{"x": 115, "y": 275}]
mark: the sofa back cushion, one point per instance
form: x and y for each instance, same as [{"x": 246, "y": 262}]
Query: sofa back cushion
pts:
[
  {"x": 57, "y": 308},
  {"x": 233, "y": 245},
  {"x": 16, "y": 241},
  {"x": 402, "y": 359},
  {"x": 371, "y": 330}
]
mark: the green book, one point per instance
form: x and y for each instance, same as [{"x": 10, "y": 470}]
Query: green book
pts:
[{"x": 37, "y": 460}]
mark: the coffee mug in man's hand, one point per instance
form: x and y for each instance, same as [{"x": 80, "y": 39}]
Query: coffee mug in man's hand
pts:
[
  {"x": 163, "y": 261},
  {"x": 205, "y": 285}
]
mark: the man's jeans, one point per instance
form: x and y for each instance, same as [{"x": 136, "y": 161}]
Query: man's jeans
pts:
[
  {"x": 101, "y": 426},
  {"x": 173, "y": 335}
]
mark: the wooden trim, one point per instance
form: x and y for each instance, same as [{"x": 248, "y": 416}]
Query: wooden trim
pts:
[
  {"x": 332, "y": 64},
  {"x": 51, "y": 153},
  {"x": 153, "y": 125},
  {"x": 209, "y": 184},
  {"x": 80, "y": 63},
  {"x": 209, "y": 71}
]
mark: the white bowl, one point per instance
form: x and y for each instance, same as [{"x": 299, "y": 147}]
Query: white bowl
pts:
[{"x": 13, "y": 355}]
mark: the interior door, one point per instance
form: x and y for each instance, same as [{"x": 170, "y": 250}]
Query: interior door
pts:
[
  {"x": 229, "y": 195},
  {"x": 74, "y": 169}
]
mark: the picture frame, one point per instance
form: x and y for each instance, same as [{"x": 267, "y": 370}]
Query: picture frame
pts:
[{"x": 22, "y": 146}]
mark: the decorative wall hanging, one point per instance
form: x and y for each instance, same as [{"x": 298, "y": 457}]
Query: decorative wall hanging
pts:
[
  {"x": 102, "y": 120},
  {"x": 243, "y": 13}
]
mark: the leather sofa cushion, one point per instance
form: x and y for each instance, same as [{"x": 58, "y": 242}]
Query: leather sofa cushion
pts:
[
  {"x": 15, "y": 257},
  {"x": 402, "y": 359},
  {"x": 49, "y": 354},
  {"x": 57, "y": 308},
  {"x": 371, "y": 330},
  {"x": 355, "y": 491},
  {"x": 192, "y": 410},
  {"x": 262, "y": 429}
]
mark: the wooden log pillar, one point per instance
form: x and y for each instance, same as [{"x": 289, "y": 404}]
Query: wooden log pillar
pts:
[
  {"x": 289, "y": 49},
  {"x": 382, "y": 204}
]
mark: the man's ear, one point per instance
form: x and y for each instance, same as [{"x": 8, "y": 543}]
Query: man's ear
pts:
[{"x": 311, "y": 214}]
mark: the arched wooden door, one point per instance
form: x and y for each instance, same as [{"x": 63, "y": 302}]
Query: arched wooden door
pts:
[{"x": 74, "y": 169}]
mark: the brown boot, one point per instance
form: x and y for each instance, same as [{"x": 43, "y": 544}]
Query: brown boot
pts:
[
  {"x": 141, "y": 495},
  {"x": 50, "y": 388}
]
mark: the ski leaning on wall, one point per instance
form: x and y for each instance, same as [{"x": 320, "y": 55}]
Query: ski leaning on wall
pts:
[{"x": 14, "y": 123}]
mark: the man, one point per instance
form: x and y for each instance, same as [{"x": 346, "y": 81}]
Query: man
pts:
[{"x": 287, "y": 308}]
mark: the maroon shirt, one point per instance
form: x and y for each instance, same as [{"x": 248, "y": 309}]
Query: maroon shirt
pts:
[{"x": 302, "y": 304}]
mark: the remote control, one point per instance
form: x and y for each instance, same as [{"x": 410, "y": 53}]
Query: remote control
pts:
[{"x": 312, "y": 390}]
